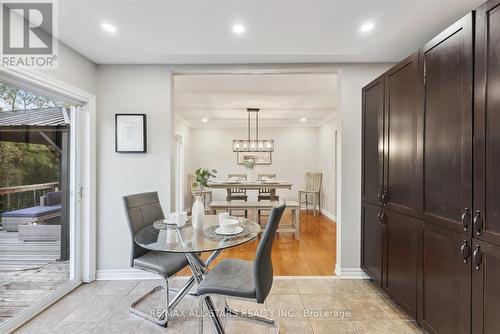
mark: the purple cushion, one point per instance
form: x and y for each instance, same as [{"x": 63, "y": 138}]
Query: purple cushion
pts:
[{"x": 33, "y": 212}]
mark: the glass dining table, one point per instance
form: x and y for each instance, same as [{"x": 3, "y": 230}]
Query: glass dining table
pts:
[{"x": 192, "y": 242}]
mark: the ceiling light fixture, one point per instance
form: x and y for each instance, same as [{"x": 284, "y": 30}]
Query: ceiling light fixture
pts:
[
  {"x": 253, "y": 145},
  {"x": 108, "y": 27},
  {"x": 303, "y": 119},
  {"x": 238, "y": 29},
  {"x": 367, "y": 27},
  {"x": 205, "y": 120}
]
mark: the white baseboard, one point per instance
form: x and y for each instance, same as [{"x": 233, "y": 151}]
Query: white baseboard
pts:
[
  {"x": 329, "y": 215},
  {"x": 357, "y": 273},
  {"x": 124, "y": 274}
]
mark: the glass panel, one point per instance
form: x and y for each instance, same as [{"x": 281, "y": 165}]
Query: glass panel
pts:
[{"x": 35, "y": 207}]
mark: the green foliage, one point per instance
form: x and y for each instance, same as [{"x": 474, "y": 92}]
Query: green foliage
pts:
[
  {"x": 13, "y": 98},
  {"x": 202, "y": 177},
  {"x": 22, "y": 164}
]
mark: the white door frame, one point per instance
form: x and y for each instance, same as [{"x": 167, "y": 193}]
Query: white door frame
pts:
[
  {"x": 275, "y": 69},
  {"x": 85, "y": 181}
]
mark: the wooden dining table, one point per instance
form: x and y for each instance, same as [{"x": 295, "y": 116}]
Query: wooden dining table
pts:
[{"x": 250, "y": 185}]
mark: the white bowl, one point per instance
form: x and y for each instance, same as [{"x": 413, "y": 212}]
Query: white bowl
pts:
[{"x": 228, "y": 225}]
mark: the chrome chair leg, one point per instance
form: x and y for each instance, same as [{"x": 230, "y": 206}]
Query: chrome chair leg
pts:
[
  {"x": 251, "y": 317},
  {"x": 163, "y": 318}
]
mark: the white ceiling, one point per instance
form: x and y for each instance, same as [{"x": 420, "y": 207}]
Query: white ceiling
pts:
[
  {"x": 283, "y": 98},
  {"x": 199, "y": 31}
]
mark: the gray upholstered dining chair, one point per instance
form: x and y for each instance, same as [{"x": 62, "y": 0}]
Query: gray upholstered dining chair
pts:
[
  {"x": 143, "y": 210},
  {"x": 240, "y": 279}
]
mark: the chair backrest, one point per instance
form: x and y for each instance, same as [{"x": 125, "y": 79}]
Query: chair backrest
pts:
[
  {"x": 240, "y": 177},
  {"x": 263, "y": 265},
  {"x": 261, "y": 177},
  {"x": 266, "y": 191},
  {"x": 313, "y": 181},
  {"x": 141, "y": 210}
]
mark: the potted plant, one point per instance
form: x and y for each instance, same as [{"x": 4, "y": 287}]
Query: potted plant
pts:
[{"x": 203, "y": 175}]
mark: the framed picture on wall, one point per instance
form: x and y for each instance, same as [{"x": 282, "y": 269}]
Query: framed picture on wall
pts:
[
  {"x": 130, "y": 133},
  {"x": 261, "y": 158}
]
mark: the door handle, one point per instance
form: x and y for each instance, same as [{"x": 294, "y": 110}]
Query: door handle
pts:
[
  {"x": 465, "y": 251},
  {"x": 478, "y": 223},
  {"x": 478, "y": 257},
  {"x": 466, "y": 219}
]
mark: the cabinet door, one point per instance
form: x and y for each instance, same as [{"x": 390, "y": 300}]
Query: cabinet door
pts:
[
  {"x": 403, "y": 240},
  {"x": 446, "y": 281},
  {"x": 371, "y": 241},
  {"x": 373, "y": 137},
  {"x": 447, "y": 145},
  {"x": 403, "y": 123},
  {"x": 485, "y": 288},
  {"x": 487, "y": 133}
]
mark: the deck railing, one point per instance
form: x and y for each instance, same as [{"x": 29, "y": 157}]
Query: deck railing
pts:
[{"x": 25, "y": 196}]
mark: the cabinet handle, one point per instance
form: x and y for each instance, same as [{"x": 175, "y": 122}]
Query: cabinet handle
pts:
[
  {"x": 381, "y": 217},
  {"x": 466, "y": 219},
  {"x": 385, "y": 197},
  {"x": 478, "y": 223},
  {"x": 465, "y": 251},
  {"x": 478, "y": 257},
  {"x": 379, "y": 196}
]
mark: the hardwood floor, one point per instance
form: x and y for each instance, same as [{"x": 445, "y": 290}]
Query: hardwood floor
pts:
[{"x": 312, "y": 255}]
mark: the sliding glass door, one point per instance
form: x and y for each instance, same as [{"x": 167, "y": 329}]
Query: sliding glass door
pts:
[{"x": 39, "y": 202}]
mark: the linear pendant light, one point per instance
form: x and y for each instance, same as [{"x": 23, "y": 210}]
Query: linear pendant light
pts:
[{"x": 253, "y": 145}]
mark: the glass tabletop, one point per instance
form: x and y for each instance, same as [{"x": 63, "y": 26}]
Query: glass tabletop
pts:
[{"x": 190, "y": 240}]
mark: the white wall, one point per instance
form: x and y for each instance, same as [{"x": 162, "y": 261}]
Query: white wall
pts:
[
  {"x": 143, "y": 88},
  {"x": 295, "y": 153},
  {"x": 74, "y": 69},
  {"x": 352, "y": 78},
  {"x": 326, "y": 164},
  {"x": 130, "y": 89}
]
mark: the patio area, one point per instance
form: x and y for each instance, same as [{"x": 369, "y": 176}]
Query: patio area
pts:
[
  {"x": 29, "y": 271},
  {"x": 34, "y": 212}
]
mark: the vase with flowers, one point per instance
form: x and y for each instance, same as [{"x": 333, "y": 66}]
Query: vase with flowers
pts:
[
  {"x": 202, "y": 176},
  {"x": 249, "y": 164}
]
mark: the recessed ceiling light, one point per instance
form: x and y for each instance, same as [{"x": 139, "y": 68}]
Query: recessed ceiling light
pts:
[
  {"x": 303, "y": 120},
  {"x": 108, "y": 27},
  {"x": 238, "y": 29},
  {"x": 367, "y": 27},
  {"x": 205, "y": 120}
]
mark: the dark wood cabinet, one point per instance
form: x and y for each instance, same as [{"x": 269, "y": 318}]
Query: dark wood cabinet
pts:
[
  {"x": 485, "y": 288},
  {"x": 373, "y": 138},
  {"x": 447, "y": 63},
  {"x": 431, "y": 171},
  {"x": 446, "y": 281},
  {"x": 486, "y": 211},
  {"x": 403, "y": 122},
  {"x": 371, "y": 241},
  {"x": 402, "y": 252}
]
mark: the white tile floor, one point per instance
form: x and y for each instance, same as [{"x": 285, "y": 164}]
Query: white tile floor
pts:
[{"x": 300, "y": 305}]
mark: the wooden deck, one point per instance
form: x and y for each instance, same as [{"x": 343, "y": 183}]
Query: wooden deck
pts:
[{"x": 29, "y": 271}]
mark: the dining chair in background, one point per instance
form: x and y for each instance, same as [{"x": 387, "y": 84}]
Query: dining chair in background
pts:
[
  {"x": 313, "y": 188},
  {"x": 248, "y": 280},
  {"x": 236, "y": 194},
  {"x": 206, "y": 194},
  {"x": 266, "y": 194},
  {"x": 142, "y": 210}
]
